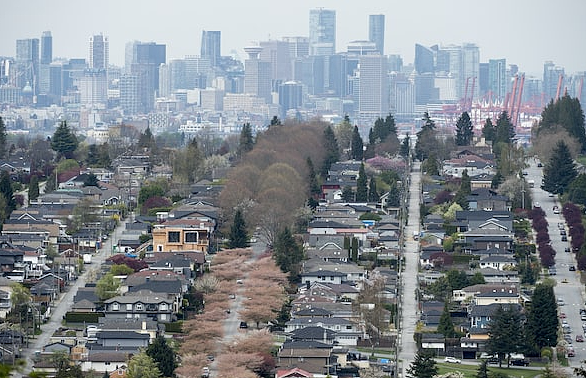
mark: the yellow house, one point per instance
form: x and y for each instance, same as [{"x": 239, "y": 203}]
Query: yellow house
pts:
[{"x": 182, "y": 235}]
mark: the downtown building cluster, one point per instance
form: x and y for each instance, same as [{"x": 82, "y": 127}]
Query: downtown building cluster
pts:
[{"x": 300, "y": 77}]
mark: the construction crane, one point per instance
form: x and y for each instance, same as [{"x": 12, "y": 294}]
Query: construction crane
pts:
[{"x": 515, "y": 109}]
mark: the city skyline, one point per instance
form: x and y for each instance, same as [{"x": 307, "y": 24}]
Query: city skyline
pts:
[{"x": 526, "y": 33}]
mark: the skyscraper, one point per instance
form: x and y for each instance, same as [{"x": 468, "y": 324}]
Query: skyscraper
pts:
[
  {"x": 146, "y": 59},
  {"x": 322, "y": 32},
  {"x": 373, "y": 91},
  {"x": 46, "y": 48},
  {"x": 210, "y": 46},
  {"x": 46, "y": 59},
  {"x": 277, "y": 53},
  {"x": 470, "y": 70},
  {"x": 376, "y": 31},
  {"x": 257, "y": 74},
  {"x": 99, "y": 52},
  {"x": 27, "y": 63},
  {"x": 551, "y": 76},
  {"x": 497, "y": 78},
  {"x": 423, "y": 59}
]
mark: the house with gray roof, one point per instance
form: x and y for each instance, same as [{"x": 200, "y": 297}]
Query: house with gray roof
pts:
[{"x": 142, "y": 304}]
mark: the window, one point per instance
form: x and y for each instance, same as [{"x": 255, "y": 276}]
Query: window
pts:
[
  {"x": 191, "y": 237},
  {"x": 173, "y": 237},
  {"x": 129, "y": 307},
  {"x": 115, "y": 306},
  {"x": 139, "y": 307},
  {"x": 159, "y": 248},
  {"x": 163, "y": 306}
]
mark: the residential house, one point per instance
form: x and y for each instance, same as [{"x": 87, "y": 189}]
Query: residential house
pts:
[
  {"x": 330, "y": 252},
  {"x": 498, "y": 262},
  {"x": 498, "y": 276},
  {"x": 310, "y": 356},
  {"x": 488, "y": 200},
  {"x": 142, "y": 305},
  {"x": 431, "y": 311},
  {"x": 182, "y": 235},
  {"x": 467, "y": 293},
  {"x": 106, "y": 360},
  {"x": 497, "y": 297},
  {"x": 435, "y": 342},
  {"x": 486, "y": 238},
  {"x": 480, "y": 315},
  {"x": 293, "y": 373},
  {"x": 322, "y": 276}
]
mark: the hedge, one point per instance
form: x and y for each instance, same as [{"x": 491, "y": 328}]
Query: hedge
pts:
[{"x": 83, "y": 317}]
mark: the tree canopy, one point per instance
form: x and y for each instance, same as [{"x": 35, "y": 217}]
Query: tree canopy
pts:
[
  {"x": 567, "y": 113},
  {"x": 505, "y": 332},
  {"x": 423, "y": 366},
  {"x": 560, "y": 171},
  {"x": 357, "y": 150},
  {"x": 464, "y": 130},
  {"x": 64, "y": 141},
  {"x": 163, "y": 355},
  {"x": 238, "y": 234}
]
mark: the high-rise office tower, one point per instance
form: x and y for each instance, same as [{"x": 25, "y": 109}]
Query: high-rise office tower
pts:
[
  {"x": 146, "y": 60},
  {"x": 551, "y": 77},
  {"x": 46, "y": 59},
  {"x": 376, "y": 31},
  {"x": 423, "y": 59},
  {"x": 257, "y": 74},
  {"x": 298, "y": 46},
  {"x": 470, "y": 71},
  {"x": 210, "y": 46},
  {"x": 46, "y": 48},
  {"x": 373, "y": 91},
  {"x": 322, "y": 32},
  {"x": 27, "y": 63},
  {"x": 497, "y": 78},
  {"x": 99, "y": 52},
  {"x": 361, "y": 48},
  {"x": 277, "y": 53},
  {"x": 290, "y": 97},
  {"x": 93, "y": 87},
  {"x": 130, "y": 94}
]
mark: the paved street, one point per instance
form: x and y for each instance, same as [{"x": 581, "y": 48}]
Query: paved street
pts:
[
  {"x": 65, "y": 301},
  {"x": 410, "y": 310},
  {"x": 572, "y": 292}
]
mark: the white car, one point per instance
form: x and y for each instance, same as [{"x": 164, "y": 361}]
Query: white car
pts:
[{"x": 452, "y": 360}]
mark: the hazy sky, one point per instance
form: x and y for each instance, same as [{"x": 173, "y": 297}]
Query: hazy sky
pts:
[{"x": 525, "y": 32}]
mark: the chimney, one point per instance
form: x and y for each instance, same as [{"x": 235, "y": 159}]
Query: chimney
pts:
[{"x": 143, "y": 325}]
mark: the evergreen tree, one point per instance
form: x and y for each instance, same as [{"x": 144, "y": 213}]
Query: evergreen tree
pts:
[
  {"x": 163, "y": 355},
  {"x": 91, "y": 180},
  {"x": 246, "y": 140},
  {"x": 394, "y": 199},
  {"x": 464, "y": 130},
  {"x": 146, "y": 139},
  {"x": 560, "y": 171},
  {"x": 482, "y": 371},
  {"x": 361, "y": 185},
  {"x": 505, "y": 332},
  {"x": 405, "y": 146},
  {"x": 6, "y": 191},
  {"x": 275, "y": 121},
  {"x": 505, "y": 131},
  {"x": 446, "y": 325},
  {"x": 542, "y": 320},
  {"x": 354, "y": 249},
  {"x": 430, "y": 166},
  {"x": 288, "y": 253},
  {"x": 372, "y": 192},
  {"x": 238, "y": 235},
  {"x": 357, "y": 145},
  {"x": 314, "y": 188},
  {"x": 461, "y": 197},
  {"x": 566, "y": 112},
  {"x": 33, "y": 188},
  {"x": 577, "y": 190},
  {"x": 488, "y": 130},
  {"x": 426, "y": 139},
  {"x": 64, "y": 141},
  {"x": 2, "y": 139},
  {"x": 347, "y": 194},
  {"x": 332, "y": 151},
  {"x": 423, "y": 366}
]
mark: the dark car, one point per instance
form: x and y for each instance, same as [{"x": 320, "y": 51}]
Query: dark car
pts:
[
  {"x": 564, "y": 238},
  {"x": 243, "y": 325},
  {"x": 572, "y": 268},
  {"x": 520, "y": 362},
  {"x": 539, "y": 165}
]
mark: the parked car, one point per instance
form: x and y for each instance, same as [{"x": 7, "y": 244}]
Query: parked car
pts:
[
  {"x": 564, "y": 238},
  {"x": 579, "y": 338},
  {"x": 572, "y": 268},
  {"x": 539, "y": 165},
  {"x": 571, "y": 352},
  {"x": 243, "y": 325},
  {"x": 567, "y": 250},
  {"x": 452, "y": 360},
  {"x": 522, "y": 362}
]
